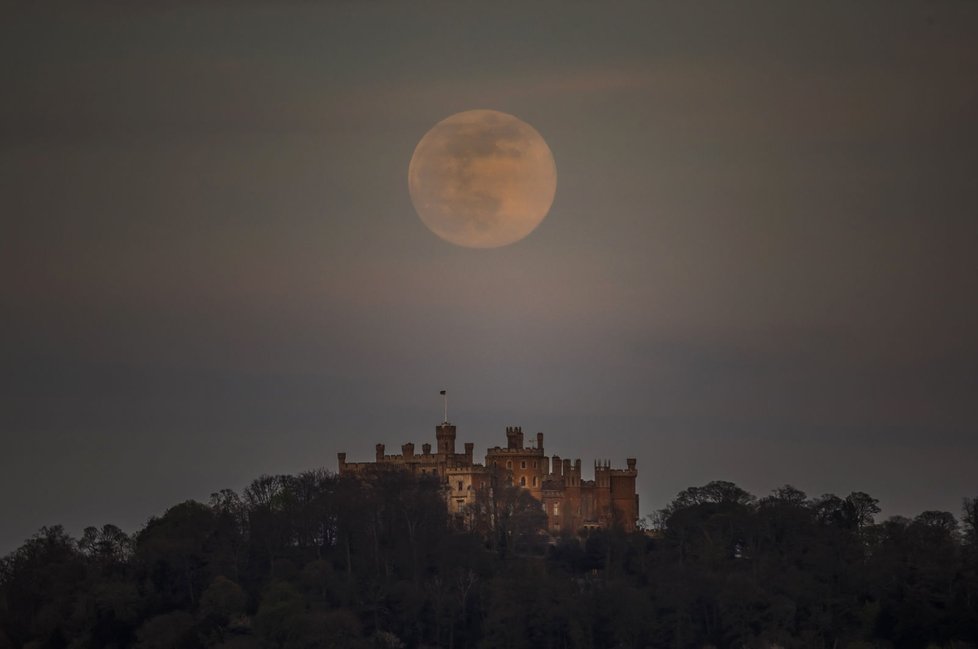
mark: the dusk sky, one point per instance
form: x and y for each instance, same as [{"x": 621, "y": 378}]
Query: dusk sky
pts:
[{"x": 759, "y": 266}]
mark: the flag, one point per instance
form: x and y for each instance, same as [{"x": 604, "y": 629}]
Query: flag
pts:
[{"x": 442, "y": 393}]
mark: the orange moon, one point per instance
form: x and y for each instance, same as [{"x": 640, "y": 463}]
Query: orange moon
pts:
[{"x": 482, "y": 179}]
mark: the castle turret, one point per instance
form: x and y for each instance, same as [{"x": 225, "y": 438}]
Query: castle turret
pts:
[
  {"x": 469, "y": 449},
  {"x": 380, "y": 452},
  {"x": 514, "y": 437},
  {"x": 407, "y": 450},
  {"x": 624, "y": 500},
  {"x": 540, "y": 441},
  {"x": 445, "y": 435},
  {"x": 573, "y": 502}
]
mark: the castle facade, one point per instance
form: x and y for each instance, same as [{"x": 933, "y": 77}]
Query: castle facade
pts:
[{"x": 570, "y": 502}]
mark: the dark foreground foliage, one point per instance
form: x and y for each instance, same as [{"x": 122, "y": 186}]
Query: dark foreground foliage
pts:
[{"x": 315, "y": 560}]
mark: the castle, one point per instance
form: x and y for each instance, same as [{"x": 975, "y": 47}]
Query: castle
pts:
[{"x": 570, "y": 502}]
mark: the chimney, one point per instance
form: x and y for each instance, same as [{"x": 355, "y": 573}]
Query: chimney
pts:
[
  {"x": 631, "y": 463},
  {"x": 540, "y": 441},
  {"x": 380, "y": 452},
  {"x": 567, "y": 467}
]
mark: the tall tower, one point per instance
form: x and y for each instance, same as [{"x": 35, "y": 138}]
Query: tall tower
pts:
[
  {"x": 445, "y": 434},
  {"x": 514, "y": 437}
]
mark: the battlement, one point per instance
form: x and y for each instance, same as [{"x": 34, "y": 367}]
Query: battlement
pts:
[
  {"x": 514, "y": 451},
  {"x": 604, "y": 467},
  {"x": 408, "y": 457},
  {"x": 565, "y": 467}
]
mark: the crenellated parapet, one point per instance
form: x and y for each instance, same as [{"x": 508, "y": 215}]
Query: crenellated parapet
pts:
[
  {"x": 499, "y": 450},
  {"x": 514, "y": 444},
  {"x": 604, "y": 468}
]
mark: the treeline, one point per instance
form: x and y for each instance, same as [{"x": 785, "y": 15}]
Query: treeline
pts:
[{"x": 316, "y": 560}]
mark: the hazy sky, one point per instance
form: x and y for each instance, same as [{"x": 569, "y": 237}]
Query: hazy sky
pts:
[{"x": 759, "y": 265}]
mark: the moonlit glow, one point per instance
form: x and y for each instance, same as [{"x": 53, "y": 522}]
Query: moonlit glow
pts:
[{"x": 482, "y": 179}]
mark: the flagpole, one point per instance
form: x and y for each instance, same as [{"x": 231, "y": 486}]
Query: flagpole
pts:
[{"x": 444, "y": 394}]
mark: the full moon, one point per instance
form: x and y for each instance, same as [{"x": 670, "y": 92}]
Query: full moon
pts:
[{"x": 482, "y": 179}]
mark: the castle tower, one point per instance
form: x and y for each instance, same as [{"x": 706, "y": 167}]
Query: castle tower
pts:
[
  {"x": 514, "y": 437},
  {"x": 527, "y": 467},
  {"x": 602, "y": 492},
  {"x": 624, "y": 500},
  {"x": 445, "y": 434},
  {"x": 573, "y": 505}
]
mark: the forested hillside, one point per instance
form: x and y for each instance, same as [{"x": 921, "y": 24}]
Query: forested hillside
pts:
[{"x": 315, "y": 560}]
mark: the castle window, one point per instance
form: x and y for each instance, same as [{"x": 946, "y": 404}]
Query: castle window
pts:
[
  {"x": 556, "y": 509},
  {"x": 523, "y": 464},
  {"x": 509, "y": 464},
  {"x": 460, "y": 485},
  {"x": 534, "y": 481},
  {"x": 523, "y": 481},
  {"x": 534, "y": 464}
]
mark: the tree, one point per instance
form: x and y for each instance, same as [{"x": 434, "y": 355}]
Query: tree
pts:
[
  {"x": 969, "y": 520},
  {"x": 860, "y": 509},
  {"x": 969, "y": 567},
  {"x": 229, "y": 539},
  {"x": 109, "y": 545},
  {"x": 507, "y": 517},
  {"x": 39, "y": 585},
  {"x": 786, "y": 495},
  {"x": 372, "y": 561},
  {"x": 716, "y": 492},
  {"x": 173, "y": 551},
  {"x": 709, "y": 524},
  {"x": 168, "y": 631},
  {"x": 312, "y": 494},
  {"x": 220, "y": 604},
  {"x": 281, "y": 604}
]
